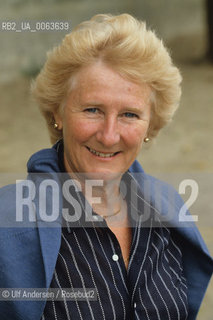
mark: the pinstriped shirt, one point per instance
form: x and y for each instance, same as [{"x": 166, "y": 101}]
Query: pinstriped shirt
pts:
[{"x": 153, "y": 287}]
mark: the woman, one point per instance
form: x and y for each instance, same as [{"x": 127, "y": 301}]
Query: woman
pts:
[{"x": 109, "y": 87}]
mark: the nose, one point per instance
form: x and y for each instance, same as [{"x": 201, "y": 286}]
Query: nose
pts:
[{"x": 108, "y": 133}]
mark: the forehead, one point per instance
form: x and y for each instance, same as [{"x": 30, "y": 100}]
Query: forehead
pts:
[{"x": 98, "y": 81}]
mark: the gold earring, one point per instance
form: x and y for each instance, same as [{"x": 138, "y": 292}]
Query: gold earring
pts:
[
  {"x": 55, "y": 126},
  {"x": 146, "y": 140}
]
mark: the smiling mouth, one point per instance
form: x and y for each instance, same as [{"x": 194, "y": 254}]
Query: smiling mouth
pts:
[{"x": 101, "y": 154}]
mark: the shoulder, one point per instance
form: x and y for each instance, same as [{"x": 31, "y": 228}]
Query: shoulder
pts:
[
  {"x": 197, "y": 261},
  {"x": 168, "y": 204},
  {"x": 45, "y": 160}
]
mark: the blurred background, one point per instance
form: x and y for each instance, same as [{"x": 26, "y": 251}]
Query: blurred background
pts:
[{"x": 184, "y": 148}]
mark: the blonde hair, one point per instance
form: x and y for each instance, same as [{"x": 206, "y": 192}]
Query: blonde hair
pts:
[{"x": 125, "y": 44}]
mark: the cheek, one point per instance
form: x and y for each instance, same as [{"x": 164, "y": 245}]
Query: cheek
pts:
[
  {"x": 78, "y": 130},
  {"x": 134, "y": 137}
]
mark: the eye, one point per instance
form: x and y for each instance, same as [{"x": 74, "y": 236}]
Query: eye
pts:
[
  {"x": 91, "y": 110},
  {"x": 130, "y": 115}
]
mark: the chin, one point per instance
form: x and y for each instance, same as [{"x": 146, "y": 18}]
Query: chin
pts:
[{"x": 103, "y": 175}]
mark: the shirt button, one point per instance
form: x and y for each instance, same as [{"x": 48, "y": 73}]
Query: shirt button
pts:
[
  {"x": 135, "y": 305},
  {"x": 115, "y": 257}
]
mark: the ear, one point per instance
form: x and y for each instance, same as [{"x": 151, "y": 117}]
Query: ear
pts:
[{"x": 58, "y": 120}]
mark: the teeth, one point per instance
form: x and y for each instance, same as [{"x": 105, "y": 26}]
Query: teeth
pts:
[{"x": 100, "y": 154}]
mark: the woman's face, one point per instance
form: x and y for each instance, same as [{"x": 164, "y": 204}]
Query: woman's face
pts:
[{"x": 104, "y": 122}]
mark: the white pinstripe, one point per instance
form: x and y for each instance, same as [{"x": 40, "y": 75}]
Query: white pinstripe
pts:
[
  {"x": 175, "y": 259},
  {"x": 118, "y": 264},
  {"x": 65, "y": 303},
  {"x": 113, "y": 278},
  {"x": 185, "y": 285},
  {"x": 178, "y": 249},
  {"x": 158, "y": 290},
  {"x": 147, "y": 290},
  {"x": 66, "y": 267},
  {"x": 53, "y": 304},
  {"x": 109, "y": 294},
  {"x": 98, "y": 295},
  {"x": 178, "y": 263},
  {"x": 79, "y": 272},
  {"x": 174, "y": 272},
  {"x": 136, "y": 245},
  {"x": 137, "y": 316},
  {"x": 140, "y": 297},
  {"x": 184, "y": 305},
  {"x": 164, "y": 282},
  {"x": 144, "y": 258},
  {"x": 181, "y": 256},
  {"x": 184, "y": 295}
]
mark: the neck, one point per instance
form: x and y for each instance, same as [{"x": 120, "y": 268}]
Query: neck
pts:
[{"x": 103, "y": 195}]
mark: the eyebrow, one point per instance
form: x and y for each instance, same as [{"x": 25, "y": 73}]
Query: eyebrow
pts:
[
  {"x": 134, "y": 109},
  {"x": 92, "y": 103}
]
